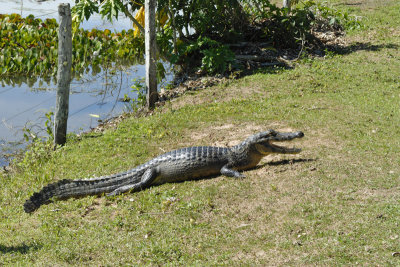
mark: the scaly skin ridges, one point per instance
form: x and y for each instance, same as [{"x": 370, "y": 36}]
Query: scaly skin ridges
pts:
[
  {"x": 76, "y": 188},
  {"x": 176, "y": 165},
  {"x": 84, "y": 187}
]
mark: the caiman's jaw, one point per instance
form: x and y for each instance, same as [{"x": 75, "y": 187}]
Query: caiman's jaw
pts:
[{"x": 268, "y": 146}]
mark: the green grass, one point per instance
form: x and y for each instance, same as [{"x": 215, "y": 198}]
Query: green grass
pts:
[{"x": 336, "y": 203}]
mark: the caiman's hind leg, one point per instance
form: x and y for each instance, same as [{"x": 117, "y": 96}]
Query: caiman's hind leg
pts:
[{"x": 147, "y": 179}]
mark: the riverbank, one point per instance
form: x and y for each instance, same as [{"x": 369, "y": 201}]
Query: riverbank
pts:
[
  {"x": 336, "y": 203},
  {"x": 25, "y": 99}
]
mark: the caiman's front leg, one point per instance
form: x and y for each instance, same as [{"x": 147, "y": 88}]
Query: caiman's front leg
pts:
[
  {"x": 147, "y": 179},
  {"x": 228, "y": 171}
]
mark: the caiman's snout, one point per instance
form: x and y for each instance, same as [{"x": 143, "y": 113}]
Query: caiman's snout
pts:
[
  {"x": 266, "y": 145},
  {"x": 287, "y": 136}
]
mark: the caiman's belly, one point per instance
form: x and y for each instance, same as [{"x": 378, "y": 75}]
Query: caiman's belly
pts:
[{"x": 182, "y": 171}]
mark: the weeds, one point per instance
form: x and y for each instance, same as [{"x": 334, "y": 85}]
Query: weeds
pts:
[
  {"x": 138, "y": 99},
  {"x": 40, "y": 147}
]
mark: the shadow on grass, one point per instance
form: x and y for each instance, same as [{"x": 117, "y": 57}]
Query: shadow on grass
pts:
[
  {"x": 282, "y": 162},
  {"x": 286, "y": 162},
  {"x": 358, "y": 46},
  {"x": 318, "y": 51},
  {"x": 21, "y": 249}
]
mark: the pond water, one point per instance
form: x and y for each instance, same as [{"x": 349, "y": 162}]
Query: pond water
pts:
[{"x": 93, "y": 97}]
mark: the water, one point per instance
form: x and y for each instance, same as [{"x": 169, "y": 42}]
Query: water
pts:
[{"x": 93, "y": 98}]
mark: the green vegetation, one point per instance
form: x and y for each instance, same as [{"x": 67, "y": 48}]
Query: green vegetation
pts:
[
  {"x": 288, "y": 29},
  {"x": 215, "y": 57},
  {"x": 29, "y": 46},
  {"x": 336, "y": 203},
  {"x": 256, "y": 21}
]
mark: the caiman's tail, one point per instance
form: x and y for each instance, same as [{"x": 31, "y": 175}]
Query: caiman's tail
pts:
[
  {"x": 65, "y": 189},
  {"x": 45, "y": 195}
]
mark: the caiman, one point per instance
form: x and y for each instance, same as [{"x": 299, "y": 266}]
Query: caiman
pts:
[{"x": 174, "y": 166}]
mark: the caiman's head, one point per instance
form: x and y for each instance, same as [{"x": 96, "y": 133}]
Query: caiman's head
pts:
[{"x": 264, "y": 142}]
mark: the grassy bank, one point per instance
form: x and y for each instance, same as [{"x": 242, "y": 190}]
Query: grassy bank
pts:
[{"x": 336, "y": 203}]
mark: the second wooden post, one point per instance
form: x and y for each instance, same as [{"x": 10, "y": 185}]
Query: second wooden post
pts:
[{"x": 150, "y": 44}]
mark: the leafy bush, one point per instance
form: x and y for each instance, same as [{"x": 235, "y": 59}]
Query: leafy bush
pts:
[
  {"x": 328, "y": 18},
  {"x": 207, "y": 55},
  {"x": 290, "y": 28},
  {"x": 287, "y": 28},
  {"x": 217, "y": 59},
  {"x": 223, "y": 20}
]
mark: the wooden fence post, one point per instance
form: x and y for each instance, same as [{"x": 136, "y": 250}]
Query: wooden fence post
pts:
[
  {"x": 150, "y": 47},
  {"x": 287, "y": 4},
  {"x": 63, "y": 74}
]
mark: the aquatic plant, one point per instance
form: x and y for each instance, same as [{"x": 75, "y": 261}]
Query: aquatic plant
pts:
[{"x": 29, "y": 46}]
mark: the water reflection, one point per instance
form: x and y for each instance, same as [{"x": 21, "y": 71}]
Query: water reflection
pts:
[
  {"x": 19, "y": 80},
  {"x": 24, "y": 105},
  {"x": 36, "y": 82}
]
